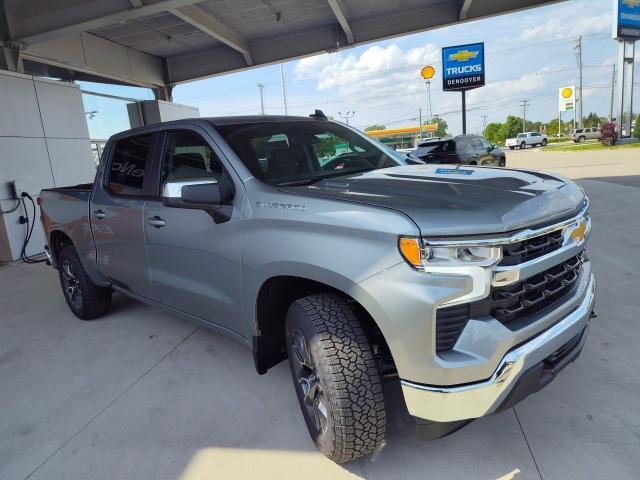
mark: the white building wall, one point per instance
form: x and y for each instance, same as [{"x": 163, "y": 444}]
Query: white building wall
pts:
[{"x": 44, "y": 142}]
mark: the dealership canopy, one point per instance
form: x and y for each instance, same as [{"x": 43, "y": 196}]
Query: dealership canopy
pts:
[{"x": 158, "y": 43}]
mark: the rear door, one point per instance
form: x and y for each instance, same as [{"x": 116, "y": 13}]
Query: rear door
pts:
[
  {"x": 490, "y": 156},
  {"x": 116, "y": 213},
  {"x": 194, "y": 262}
]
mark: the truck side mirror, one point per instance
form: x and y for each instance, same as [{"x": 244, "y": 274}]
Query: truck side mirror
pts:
[{"x": 209, "y": 194}]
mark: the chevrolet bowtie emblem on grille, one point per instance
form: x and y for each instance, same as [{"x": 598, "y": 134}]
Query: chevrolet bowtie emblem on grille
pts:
[
  {"x": 631, "y": 3},
  {"x": 464, "y": 55}
]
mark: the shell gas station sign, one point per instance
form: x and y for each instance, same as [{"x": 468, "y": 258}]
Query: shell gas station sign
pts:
[{"x": 567, "y": 99}]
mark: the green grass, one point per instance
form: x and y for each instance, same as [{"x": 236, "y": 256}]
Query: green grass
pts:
[{"x": 591, "y": 145}]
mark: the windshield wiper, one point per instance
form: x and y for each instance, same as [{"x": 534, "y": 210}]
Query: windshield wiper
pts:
[{"x": 311, "y": 181}]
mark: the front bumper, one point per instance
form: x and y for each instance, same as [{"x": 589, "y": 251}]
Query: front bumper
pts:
[{"x": 512, "y": 380}]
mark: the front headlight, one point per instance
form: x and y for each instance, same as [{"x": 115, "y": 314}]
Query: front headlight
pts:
[{"x": 418, "y": 253}]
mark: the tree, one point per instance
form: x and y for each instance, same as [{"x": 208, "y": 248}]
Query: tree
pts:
[
  {"x": 636, "y": 128},
  {"x": 512, "y": 127},
  {"x": 441, "y": 131},
  {"x": 375, "y": 126},
  {"x": 591, "y": 120},
  {"x": 492, "y": 132}
]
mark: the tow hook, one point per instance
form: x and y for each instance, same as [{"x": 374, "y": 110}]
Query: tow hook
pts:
[{"x": 593, "y": 314}]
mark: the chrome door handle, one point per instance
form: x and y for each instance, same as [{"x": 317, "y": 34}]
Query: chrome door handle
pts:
[
  {"x": 156, "y": 222},
  {"x": 99, "y": 214}
]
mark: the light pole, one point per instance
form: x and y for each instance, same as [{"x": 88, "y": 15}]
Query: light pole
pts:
[{"x": 350, "y": 114}]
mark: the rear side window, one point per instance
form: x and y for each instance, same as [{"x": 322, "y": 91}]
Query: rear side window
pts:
[
  {"x": 130, "y": 158},
  {"x": 477, "y": 144},
  {"x": 186, "y": 156}
]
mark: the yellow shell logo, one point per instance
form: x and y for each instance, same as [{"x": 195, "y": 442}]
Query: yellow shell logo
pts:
[
  {"x": 428, "y": 72},
  {"x": 631, "y": 3},
  {"x": 567, "y": 92}
]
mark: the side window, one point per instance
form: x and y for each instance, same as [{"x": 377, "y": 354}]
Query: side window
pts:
[
  {"x": 126, "y": 171},
  {"x": 187, "y": 155},
  {"x": 477, "y": 144},
  {"x": 486, "y": 143},
  {"x": 462, "y": 145}
]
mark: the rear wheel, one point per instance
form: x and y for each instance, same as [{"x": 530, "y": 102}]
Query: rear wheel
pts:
[
  {"x": 581, "y": 139},
  {"x": 511, "y": 148},
  {"x": 85, "y": 299},
  {"x": 336, "y": 377}
]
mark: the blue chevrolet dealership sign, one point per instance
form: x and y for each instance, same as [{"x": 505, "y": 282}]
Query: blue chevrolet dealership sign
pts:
[
  {"x": 627, "y": 19},
  {"x": 463, "y": 67}
]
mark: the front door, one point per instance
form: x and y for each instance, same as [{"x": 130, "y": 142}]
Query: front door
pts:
[
  {"x": 195, "y": 263},
  {"x": 116, "y": 213}
]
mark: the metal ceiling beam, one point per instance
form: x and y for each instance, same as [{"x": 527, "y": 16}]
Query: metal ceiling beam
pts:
[
  {"x": 85, "y": 23},
  {"x": 464, "y": 11},
  {"x": 339, "y": 11},
  {"x": 213, "y": 27}
]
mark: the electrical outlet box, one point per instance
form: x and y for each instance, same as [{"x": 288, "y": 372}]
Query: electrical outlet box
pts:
[{"x": 20, "y": 186}]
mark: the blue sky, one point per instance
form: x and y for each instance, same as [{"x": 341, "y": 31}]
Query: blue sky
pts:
[{"x": 529, "y": 55}]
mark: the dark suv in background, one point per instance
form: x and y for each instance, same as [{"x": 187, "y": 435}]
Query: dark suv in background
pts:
[{"x": 463, "y": 150}]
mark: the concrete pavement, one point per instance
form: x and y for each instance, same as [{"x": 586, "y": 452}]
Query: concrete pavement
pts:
[{"x": 142, "y": 395}]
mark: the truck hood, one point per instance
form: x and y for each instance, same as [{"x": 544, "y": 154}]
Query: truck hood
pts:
[{"x": 458, "y": 201}]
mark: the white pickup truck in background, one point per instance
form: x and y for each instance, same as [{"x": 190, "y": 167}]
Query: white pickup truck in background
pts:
[{"x": 525, "y": 139}]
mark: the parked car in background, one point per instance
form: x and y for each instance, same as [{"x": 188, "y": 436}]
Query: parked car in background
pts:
[
  {"x": 462, "y": 150},
  {"x": 523, "y": 140},
  {"x": 580, "y": 135}
]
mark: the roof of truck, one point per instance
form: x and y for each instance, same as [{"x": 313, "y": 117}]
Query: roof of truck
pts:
[
  {"x": 257, "y": 119},
  {"x": 217, "y": 122}
]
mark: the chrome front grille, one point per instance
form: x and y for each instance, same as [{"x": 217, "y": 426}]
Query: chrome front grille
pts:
[
  {"x": 535, "y": 247},
  {"x": 513, "y": 305}
]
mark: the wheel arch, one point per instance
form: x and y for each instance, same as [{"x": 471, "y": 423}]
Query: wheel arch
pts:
[
  {"x": 275, "y": 296},
  {"x": 58, "y": 240}
]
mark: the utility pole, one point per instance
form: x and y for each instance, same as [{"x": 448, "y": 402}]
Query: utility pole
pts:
[
  {"x": 578, "y": 49},
  {"x": 484, "y": 123},
  {"x": 261, "y": 88},
  {"x": 429, "y": 111},
  {"x": 350, "y": 114},
  {"x": 613, "y": 92},
  {"x": 464, "y": 112},
  {"x": 524, "y": 104},
  {"x": 284, "y": 93}
]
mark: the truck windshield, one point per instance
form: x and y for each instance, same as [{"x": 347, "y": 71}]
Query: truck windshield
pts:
[{"x": 303, "y": 152}]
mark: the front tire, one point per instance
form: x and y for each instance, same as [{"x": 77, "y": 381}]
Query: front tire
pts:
[
  {"x": 544, "y": 142},
  {"x": 523, "y": 146},
  {"x": 85, "y": 299},
  {"x": 512, "y": 148},
  {"x": 336, "y": 377}
]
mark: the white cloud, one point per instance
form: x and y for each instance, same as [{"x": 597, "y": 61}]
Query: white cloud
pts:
[
  {"x": 567, "y": 24},
  {"x": 377, "y": 70},
  {"x": 526, "y": 83}
]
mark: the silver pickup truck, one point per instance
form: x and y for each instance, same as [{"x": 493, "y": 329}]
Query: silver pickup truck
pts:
[{"x": 304, "y": 239}]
